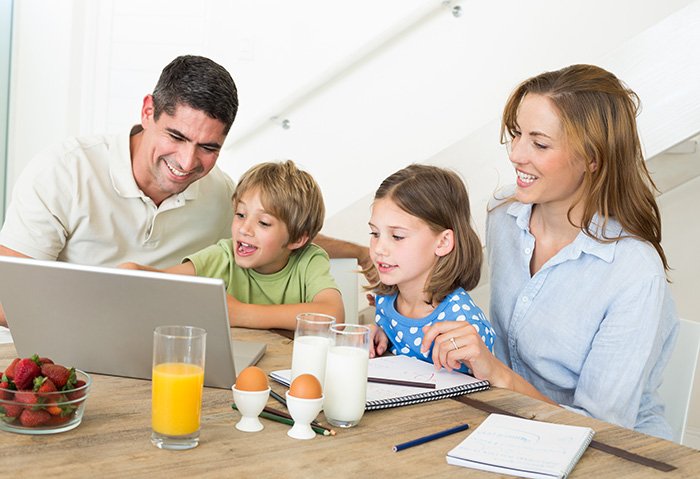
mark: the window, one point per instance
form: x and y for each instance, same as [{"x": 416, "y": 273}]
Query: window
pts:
[{"x": 5, "y": 49}]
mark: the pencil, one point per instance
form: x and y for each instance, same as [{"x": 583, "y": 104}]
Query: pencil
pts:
[
  {"x": 277, "y": 412},
  {"x": 279, "y": 398},
  {"x": 432, "y": 437},
  {"x": 400, "y": 382},
  {"x": 288, "y": 421}
]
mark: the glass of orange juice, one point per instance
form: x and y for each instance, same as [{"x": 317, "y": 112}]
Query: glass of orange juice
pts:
[{"x": 178, "y": 379}]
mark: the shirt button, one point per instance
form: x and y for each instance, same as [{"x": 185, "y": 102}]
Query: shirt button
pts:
[
  {"x": 528, "y": 251},
  {"x": 525, "y": 299}
]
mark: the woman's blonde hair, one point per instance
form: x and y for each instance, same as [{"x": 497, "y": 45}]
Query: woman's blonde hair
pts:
[
  {"x": 598, "y": 114},
  {"x": 438, "y": 197},
  {"x": 287, "y": 193}
]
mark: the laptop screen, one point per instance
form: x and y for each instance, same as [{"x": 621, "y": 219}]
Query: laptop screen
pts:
[{"x": 101, "y": 320}]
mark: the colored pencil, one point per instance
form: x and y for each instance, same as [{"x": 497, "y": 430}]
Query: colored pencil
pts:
[
  {"x": 279, "y": 398},
  {"x": 431, "y": 437},
  {"x": 288, "y": 421},
  {"x": 277, "y": 412},
  {"x": 400, "y": 382}
]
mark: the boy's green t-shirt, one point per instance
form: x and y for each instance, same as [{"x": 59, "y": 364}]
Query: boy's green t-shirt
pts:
[{"x": 307, "y": 273}]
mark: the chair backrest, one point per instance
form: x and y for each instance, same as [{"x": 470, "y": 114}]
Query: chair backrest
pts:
[
  {"x": 345, "y": 273},
  {"x": 679, "y": 376}
]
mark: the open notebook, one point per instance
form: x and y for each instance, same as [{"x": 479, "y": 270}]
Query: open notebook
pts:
[{"x": 404, "y": 368}]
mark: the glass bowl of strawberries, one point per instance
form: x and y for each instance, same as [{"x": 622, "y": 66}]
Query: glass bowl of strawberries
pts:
[{"x": 40, "y": 397}]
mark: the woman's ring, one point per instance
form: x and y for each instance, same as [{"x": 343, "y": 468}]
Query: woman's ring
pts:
[{"x": 454, "y": 344}]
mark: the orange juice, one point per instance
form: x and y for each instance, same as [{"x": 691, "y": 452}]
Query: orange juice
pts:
[{"x": 177, "y": 398}]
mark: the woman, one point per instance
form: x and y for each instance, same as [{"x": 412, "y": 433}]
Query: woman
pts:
[{"x": 579, "y": 297}]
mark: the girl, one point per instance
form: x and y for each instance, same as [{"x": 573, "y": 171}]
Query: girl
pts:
[{"x": 427, "y": 256}]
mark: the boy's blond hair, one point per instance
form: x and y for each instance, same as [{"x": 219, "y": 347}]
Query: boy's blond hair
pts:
[{"x": 287, "y": 193}]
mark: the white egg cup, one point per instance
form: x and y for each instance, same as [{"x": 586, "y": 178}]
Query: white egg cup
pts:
[
  {"x": 250, "y": 404},
  {"x": 303, "y": 411}
]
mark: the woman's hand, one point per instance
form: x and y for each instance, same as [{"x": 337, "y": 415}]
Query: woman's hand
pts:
[
  {"x": 457, "y": 342},
  {"x": 378, "y": 342}
]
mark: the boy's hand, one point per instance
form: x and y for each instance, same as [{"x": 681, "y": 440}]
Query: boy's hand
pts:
[
  {"x": 130, "y": 265},
  {"x": 378, "y": 341}
]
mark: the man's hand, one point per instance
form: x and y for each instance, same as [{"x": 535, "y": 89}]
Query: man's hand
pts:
[{"x": 344, "y": 249}]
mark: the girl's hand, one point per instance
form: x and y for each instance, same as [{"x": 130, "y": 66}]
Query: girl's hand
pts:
[
  {"x": 378, "y": 341},
  {"x": 370, "y": 299},
  {"x": 457, "y": 342}
]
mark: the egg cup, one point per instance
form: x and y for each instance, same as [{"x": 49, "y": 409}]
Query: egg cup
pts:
[
  {"x": 250, "y": 404},
  {"x": 303, "y": 411}
]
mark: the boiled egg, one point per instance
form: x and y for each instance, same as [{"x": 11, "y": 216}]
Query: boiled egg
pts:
[
  {"x": 306, "y": 386},
  {"x": 252, "y": 378}
]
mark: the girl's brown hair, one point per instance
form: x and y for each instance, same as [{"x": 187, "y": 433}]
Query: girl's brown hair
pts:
[
  {"x": 598, "y": 113},
  {"x": 438, "y": 197}
]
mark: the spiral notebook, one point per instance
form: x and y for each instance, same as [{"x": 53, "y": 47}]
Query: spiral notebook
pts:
[
  {"x": 522, "y": 447},
  {"x": 404, "y": 368}
]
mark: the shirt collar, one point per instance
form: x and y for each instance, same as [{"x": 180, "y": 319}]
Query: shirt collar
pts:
[
  {"x": 583, "y": 243},
  {"x": 122, "y": 175}
]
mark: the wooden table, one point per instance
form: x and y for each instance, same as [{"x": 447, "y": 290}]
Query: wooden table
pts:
[{"x": 114, "y": 438}]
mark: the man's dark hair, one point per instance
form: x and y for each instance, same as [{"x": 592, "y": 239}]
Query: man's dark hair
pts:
[{"x": 199, "y": 83}]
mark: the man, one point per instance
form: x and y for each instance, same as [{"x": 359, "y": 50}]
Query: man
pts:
[
  {"x": 152, "y": 196},
  {"x": 103, "y": 200}
]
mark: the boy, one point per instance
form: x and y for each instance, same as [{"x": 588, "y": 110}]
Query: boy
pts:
[{"x": 271, "y": 270}]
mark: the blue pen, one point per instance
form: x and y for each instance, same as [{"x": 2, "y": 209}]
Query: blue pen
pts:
[{"x": 432, "y": 437}]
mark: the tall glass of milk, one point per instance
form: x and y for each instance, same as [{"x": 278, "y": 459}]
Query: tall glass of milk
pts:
[
  {"x": 345, "y": 388},
  {"x": 311, "y": 340}
]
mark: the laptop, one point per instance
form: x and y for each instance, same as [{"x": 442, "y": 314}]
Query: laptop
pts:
[{"x": 101, "y": 320}]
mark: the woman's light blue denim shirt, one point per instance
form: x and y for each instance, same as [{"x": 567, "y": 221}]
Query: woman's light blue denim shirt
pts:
[{"x": 593, "y": 329}]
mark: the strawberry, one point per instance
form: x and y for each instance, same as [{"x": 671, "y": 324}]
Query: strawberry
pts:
[
  {"x": 30, "y": 418},
  {"x": 77, "y": 394},
  {"x": 54, "y": 409},
  {"x": 6, "y": 389},
  {"x": 26, "y": 397},
  {"x": 25, "y": 371},
  {"x": 58, "y": 420},
  {"x": 45, "y": 361},
  {"x": 59, "y": 375},
  {"x": 42, "y": 384},
  {"x": 10, "y": 370},
  {"x": 10, "y": 411}
]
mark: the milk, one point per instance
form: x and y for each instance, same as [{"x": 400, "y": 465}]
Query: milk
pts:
[
  {"x": 346, "y": 385},
  {"x": 309, "y": 356}
]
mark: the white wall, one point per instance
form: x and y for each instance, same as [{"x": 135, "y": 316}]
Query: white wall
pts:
[{"x": 83, "y": 66}]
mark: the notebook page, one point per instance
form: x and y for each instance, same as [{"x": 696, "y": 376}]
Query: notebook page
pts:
[
  {"x": 523, "y": 447},
  {"x": 406, "y": 368}
]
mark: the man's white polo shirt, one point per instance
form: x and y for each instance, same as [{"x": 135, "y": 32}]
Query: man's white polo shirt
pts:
[{"x": 80, "y": 203}]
